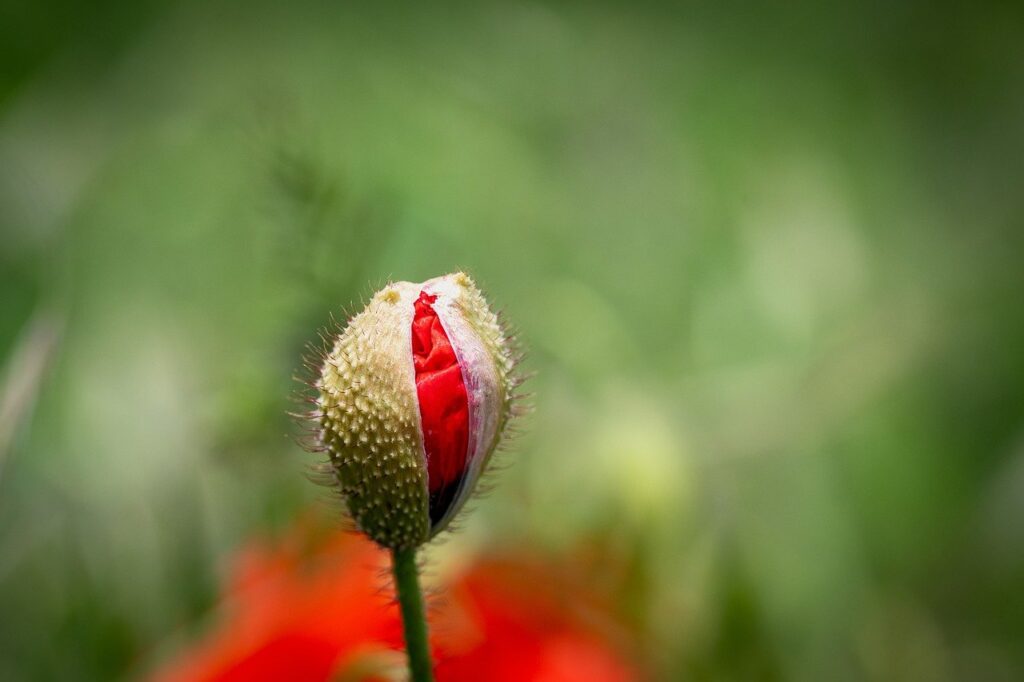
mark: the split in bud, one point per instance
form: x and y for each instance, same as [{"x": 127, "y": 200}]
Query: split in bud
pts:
[{"x": 413, "y": 397}]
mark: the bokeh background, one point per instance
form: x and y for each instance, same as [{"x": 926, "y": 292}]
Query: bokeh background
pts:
[{"x": 767, "y": 260}]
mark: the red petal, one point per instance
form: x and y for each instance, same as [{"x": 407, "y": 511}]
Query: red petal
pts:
[{"x": 444, "y": 407}]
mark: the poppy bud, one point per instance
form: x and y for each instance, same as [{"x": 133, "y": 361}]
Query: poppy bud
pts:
[{"x": 414, "y": 396}]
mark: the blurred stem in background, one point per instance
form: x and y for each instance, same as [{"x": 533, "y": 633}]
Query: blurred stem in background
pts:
[
  {"x": 24, "y": 374},
  {"x": 407, "y": 586}
]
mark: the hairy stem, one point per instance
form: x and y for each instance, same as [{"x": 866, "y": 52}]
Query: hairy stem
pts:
[{"x": 407, "y": 584}]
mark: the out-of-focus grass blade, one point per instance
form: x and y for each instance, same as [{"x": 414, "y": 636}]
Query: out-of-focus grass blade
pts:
[{"x": 24, "y": 373}]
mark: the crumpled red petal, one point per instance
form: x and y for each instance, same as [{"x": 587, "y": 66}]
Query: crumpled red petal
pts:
[{"x": 444, "y": 407}]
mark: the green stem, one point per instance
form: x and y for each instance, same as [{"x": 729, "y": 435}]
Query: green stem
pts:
[{"x": 407, "y": 585}]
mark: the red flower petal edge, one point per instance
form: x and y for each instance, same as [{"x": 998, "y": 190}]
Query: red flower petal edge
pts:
[{"x": 444, "y": 407}]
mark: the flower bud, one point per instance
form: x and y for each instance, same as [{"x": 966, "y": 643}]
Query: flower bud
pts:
[{"x": 414, "y": 396}]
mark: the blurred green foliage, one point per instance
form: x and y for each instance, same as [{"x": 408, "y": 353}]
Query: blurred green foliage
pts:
[{"x": 767, "y": 260}]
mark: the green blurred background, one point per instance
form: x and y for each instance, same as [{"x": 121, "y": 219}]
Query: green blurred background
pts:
[{"x": 767, "y": 261}]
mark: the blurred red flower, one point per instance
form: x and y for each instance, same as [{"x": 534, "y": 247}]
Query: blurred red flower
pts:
[{"x": 319, "y": 606}]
